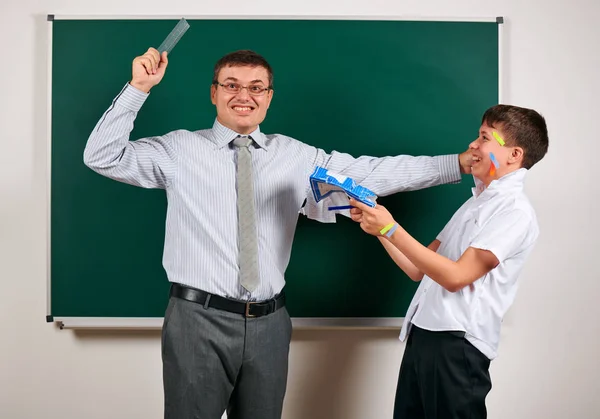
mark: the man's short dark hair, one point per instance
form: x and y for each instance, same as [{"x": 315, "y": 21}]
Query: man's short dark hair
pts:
[
  {"x": 243, "y": 57},
  {"x": 523, "y": 128}
]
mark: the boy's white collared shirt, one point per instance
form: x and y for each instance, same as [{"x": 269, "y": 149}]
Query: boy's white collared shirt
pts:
[{"x": 500, "y": 219}]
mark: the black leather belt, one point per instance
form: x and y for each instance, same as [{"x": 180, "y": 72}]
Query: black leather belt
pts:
[
  {"x": 455, "y": 333},
  {"x": 247, "y": 309}
]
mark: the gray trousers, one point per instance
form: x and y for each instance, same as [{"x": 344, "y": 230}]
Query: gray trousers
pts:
[{"x": 214, "y": 361}]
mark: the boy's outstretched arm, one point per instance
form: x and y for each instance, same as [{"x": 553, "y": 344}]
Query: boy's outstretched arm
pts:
[
  {"x": 453, "y": 276},
  {"x": 402, "y": 261}
]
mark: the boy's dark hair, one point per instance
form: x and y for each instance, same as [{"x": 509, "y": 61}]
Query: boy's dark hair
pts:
[
  {"x": 524, "y": 128},
  {"x": 242, "y": 58}
]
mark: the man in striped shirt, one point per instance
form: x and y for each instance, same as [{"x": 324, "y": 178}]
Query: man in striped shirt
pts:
[{"x": 225, "y": 347}]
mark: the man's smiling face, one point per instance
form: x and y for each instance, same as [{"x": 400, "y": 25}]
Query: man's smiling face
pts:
[{"x": 241, "y": 112}]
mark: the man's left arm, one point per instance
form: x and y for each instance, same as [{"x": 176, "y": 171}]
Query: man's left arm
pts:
[{"x": 388, "y": 175}]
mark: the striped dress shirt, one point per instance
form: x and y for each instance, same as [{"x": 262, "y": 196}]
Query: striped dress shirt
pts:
[{"x": 197, "y": 170}]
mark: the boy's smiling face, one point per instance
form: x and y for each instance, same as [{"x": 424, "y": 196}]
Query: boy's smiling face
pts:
[{"x": 508, "y": 157}]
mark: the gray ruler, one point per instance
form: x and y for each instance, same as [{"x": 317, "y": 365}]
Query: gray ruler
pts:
[{"x": 173, "y": 38}]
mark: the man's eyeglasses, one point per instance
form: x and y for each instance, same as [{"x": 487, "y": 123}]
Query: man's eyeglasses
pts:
[{"x": 253, "y": 89}]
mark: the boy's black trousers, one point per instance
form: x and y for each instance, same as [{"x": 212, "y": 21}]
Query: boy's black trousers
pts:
[{"x": 442, "y": 376}]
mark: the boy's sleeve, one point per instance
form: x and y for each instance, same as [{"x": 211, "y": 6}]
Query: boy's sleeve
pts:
[
  {"x": 450, "y": 226},
  {"x": 442, "y": 237},
  {"x": 505, "y": 234}
]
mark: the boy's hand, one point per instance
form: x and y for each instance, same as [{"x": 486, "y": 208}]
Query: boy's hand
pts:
[{"x": 371, "y": 220}]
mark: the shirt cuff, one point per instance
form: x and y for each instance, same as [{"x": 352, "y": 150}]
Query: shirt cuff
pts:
[
  {"x": 131, "y": 98},
  {"x": 449, "y": 167}
]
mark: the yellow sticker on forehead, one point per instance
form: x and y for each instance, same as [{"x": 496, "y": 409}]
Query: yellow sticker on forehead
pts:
[{"x": 498, "y": 138}]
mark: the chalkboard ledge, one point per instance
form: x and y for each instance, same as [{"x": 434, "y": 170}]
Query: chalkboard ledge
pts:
[{"x": 141, "y": 323}]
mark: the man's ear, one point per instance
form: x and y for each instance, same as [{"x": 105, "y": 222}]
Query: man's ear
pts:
[
  {"x": 213, "y": 92},
  {"x": 270, "y": 97},
  {"x": 516, "y": 155}
]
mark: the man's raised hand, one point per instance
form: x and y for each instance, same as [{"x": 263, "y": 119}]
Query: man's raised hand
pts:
[{"x": 148, "y": 70}]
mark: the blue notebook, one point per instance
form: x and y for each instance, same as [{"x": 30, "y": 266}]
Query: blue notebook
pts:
[{"x": 325, "y": 183}]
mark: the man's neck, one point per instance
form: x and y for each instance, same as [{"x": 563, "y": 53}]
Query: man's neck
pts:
[{"x": 238, "y": 130}]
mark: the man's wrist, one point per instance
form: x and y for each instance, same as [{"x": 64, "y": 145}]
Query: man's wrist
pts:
[
  {"x": 140, "y": 87},
  {"x": 465, "y": 161},
  {"x": 131, "y": 98},
  {"x": 447, "y": 166}
]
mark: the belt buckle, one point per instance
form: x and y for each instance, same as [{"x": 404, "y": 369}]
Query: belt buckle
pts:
[{"x": 248, "y": 309}]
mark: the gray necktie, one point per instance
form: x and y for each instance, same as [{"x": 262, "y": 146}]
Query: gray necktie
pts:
[{"x": 247, "y": 242}]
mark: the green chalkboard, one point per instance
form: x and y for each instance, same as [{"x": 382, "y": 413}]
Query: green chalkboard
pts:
[{"x": 358, "y": 86}]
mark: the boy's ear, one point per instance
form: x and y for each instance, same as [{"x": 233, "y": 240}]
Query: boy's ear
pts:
[{"x": 516, "y": 155}]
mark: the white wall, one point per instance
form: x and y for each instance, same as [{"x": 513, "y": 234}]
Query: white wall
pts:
[{"x": 547, "y": 365}]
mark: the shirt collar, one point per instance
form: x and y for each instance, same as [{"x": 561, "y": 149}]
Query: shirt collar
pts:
[
  {"x": 223, "y": 135},
  {"x": 513, "y": 181}
]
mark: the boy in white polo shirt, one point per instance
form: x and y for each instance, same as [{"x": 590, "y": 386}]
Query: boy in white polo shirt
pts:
[{"x": 468, "y": 274}]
